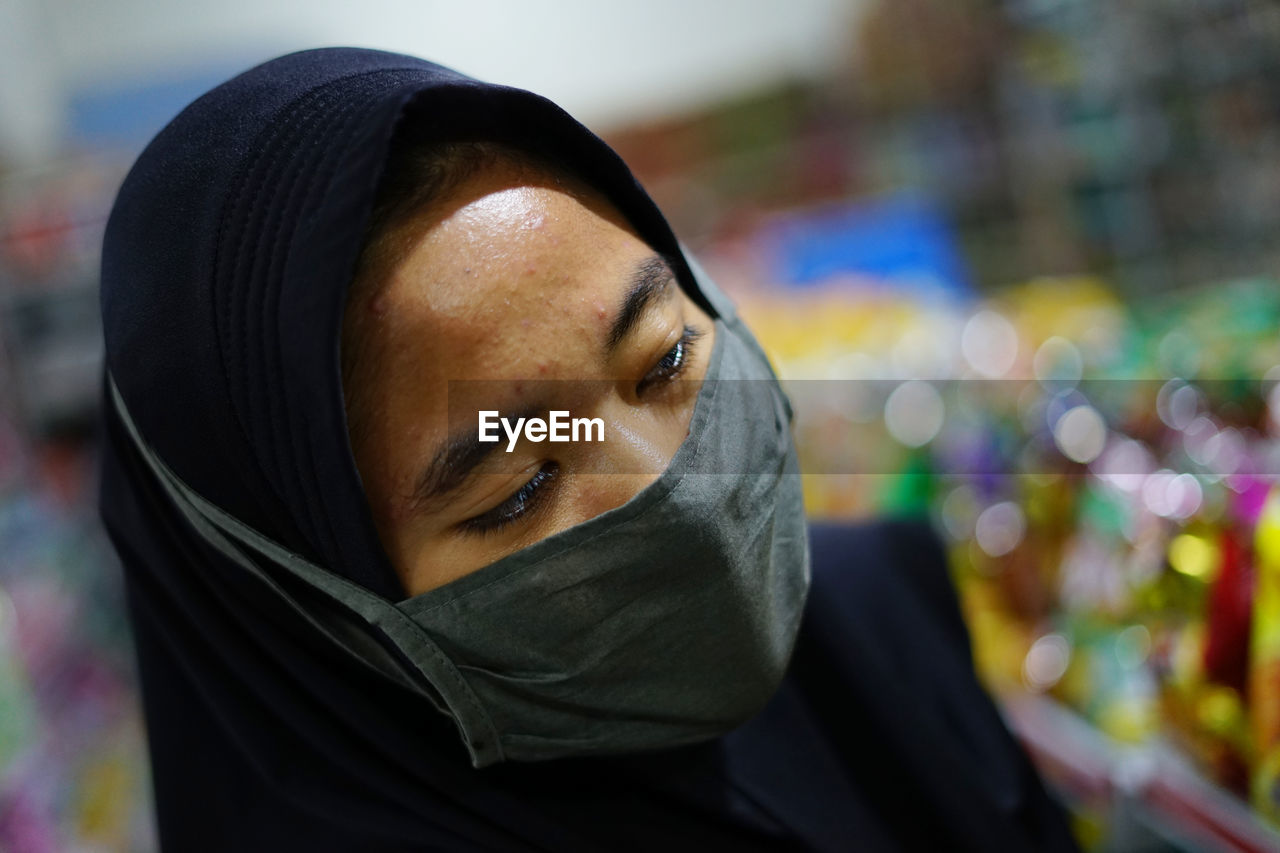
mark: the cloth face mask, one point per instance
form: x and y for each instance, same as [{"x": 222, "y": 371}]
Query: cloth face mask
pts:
[{"x": 668, "y": 620}]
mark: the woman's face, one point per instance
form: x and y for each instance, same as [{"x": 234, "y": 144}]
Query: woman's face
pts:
[{"x": 539, "y": 297}]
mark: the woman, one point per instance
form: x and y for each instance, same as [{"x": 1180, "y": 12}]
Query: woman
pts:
[{"x": 360, "y": 627}]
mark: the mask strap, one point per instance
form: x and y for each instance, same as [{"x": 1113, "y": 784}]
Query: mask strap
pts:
[{"x": 230, "y": 537}]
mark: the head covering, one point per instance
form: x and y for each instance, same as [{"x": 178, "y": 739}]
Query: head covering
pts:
[
  {"x": 273, "y": 724},
  {"x": 226, "y": 262},
  {"x": 225, "y": 268}
]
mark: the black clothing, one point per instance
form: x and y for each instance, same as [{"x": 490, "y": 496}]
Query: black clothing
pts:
[{"x": 225, "y": 268}]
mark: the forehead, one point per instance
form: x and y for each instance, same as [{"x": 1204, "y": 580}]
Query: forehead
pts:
[
  {"x": 512, "y": 274},
  {"x": 507, "y": 258}
]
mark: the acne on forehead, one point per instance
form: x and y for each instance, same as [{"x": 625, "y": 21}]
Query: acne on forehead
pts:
[
  {"x": 379, "y": 305},
  {"x": 603, "y": 317}
]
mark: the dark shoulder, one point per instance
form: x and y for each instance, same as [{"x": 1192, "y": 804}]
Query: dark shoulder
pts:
[
  {"x": 896, "y": 563},
  {"x": 884, "y": 665}
]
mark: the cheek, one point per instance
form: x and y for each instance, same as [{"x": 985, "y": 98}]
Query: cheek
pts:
[{"x": 595, "y": 494}]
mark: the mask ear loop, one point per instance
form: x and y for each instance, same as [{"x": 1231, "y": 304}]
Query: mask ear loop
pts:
[{"x": 232, "y": 538}]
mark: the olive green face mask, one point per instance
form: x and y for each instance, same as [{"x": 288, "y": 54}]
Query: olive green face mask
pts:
[{"x": 668, "y": 620}]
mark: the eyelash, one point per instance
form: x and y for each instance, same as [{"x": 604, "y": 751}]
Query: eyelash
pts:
[
  {"x": 530, "y": 496},
  {"x": 672, "y": 365},
  {"x": 525, "y": 500}
]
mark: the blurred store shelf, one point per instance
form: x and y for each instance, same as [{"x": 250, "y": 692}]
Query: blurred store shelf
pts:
[{"x": 1153, "y": 795}]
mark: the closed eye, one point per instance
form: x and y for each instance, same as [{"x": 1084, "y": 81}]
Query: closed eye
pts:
[{"x": 523, "y": 502}]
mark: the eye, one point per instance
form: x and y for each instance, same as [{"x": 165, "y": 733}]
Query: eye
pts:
[
  {"x": 523, "y": 502},
  {"x": 672, "y": 365}
]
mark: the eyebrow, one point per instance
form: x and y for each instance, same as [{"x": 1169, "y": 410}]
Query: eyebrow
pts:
[
  {"x": 462, "y": 452},
  {"x": 649, "y": 282}
]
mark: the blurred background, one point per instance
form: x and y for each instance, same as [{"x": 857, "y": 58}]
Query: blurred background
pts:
[{"x": 1016, "y": 259}]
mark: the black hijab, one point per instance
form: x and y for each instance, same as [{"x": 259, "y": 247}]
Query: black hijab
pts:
[{"x": 225, "y": 268}]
